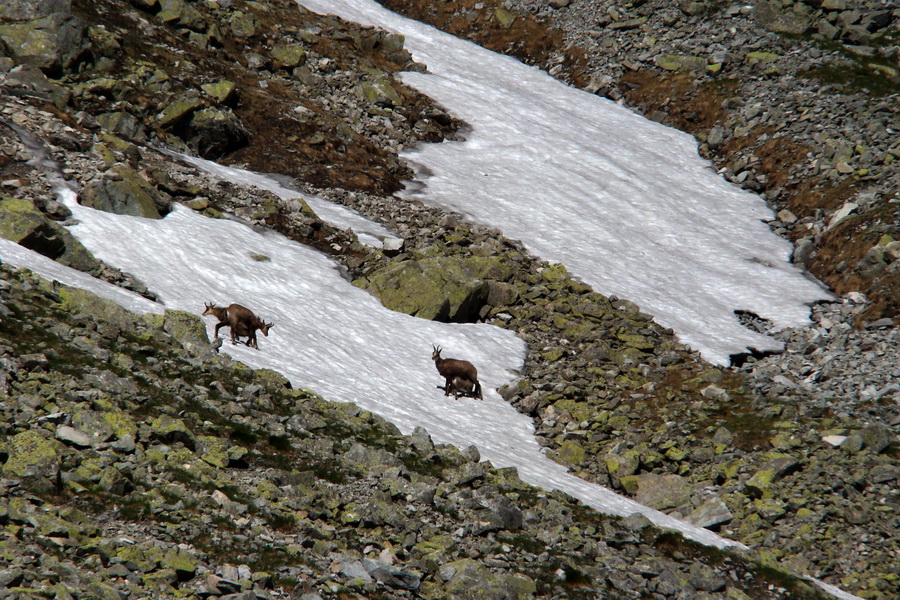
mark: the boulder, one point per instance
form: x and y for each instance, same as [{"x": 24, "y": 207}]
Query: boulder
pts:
[
  {"x": 34, "y": 460},
  {"x": 213, "y": 132},
  {"x": 466, "y": 578},
  {"x": 23, "y": 223},
  {"x": 447, "y": 289},
  {"x": 43, "y": 34},
  {"x": 771, "y": 16},
  {"x": 123, "y": 191},
  {"x": 663, "y": 491},
  {"x": 709, "y": 514}
]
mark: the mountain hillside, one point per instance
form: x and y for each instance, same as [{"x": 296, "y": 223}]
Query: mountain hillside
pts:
[{"x": 139, "y": 462}]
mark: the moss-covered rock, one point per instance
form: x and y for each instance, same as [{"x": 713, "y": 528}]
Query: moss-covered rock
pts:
[
  {"x": 223, "y": 92},
  {"x": 53, "y": 42},
  {"x": 123, "y": 191},
  {"x": 441, "y": 289},
  {"x": 34, "y": 459},
  {"x": 23, "y": 223},
  {"x": 289, "y": 56},
  {"x": 186, "y": 327}
]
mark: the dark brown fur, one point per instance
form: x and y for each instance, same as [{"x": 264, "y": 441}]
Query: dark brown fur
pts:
[
  {"x": 241, "y": 321},
  {"x": 460, "y": 376}
]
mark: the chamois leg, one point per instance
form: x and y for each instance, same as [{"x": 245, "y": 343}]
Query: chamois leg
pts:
[
  {"x": 218, "y": 327},
  {"x": 251, "y": 339},
  {"x": 448, "y": 386}
]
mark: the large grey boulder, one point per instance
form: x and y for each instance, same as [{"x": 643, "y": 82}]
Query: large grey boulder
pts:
[
  {"x": 123, "y": 191},
  {"x": 441, "y": 288},
  {"x": 42, "y": 33}
]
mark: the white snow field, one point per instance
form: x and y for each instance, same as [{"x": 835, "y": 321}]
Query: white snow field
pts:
[
  {"x": 627, "y": 205},
  {"x": 329, "y": 336}
]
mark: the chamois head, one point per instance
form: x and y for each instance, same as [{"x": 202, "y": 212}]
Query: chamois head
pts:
[
  {"x": 264, "y": 327},
  {"x": 210, "y": 309},
  {"x": 436, "y": 354}
]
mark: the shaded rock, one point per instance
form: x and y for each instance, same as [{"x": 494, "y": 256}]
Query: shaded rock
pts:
[
  {"x": 23, "y": 223},
  {"x": 43, "y": 34},
  {"x": 770, "y": 472},
  {"x": 773, "y": 17},
  {"x": 123, "y": 124},
  {"x": 877, "y": 437},
  {"x": 391, "y": 576},
  {"x": 466, "y": 578},
  {"x": 214, "y": 132}
]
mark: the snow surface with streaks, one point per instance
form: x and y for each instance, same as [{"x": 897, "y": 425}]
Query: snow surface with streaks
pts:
[{"x": 626, "y": 204}]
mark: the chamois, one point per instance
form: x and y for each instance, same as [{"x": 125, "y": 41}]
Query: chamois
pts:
[
  {"x": 240, "y": 320},
  {"x": 461, "y": 376}
]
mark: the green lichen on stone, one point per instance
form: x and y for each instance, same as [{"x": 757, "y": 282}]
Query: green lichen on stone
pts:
[
  {"x": 180, "y": 561},
  {"x": 570, "y": 453},
  {"x": 23, "y": 223},
  {"x": 32, "y": 457},
  {"x": 122, "y": 190},
  {"x": 171, "y": 429},
  {"x": 122, "y": 123},
  {"x": 179, "y": 110},
  {"x": 74, "y": 300},
  {"x": 185, "y": 327},
  {"x": 678, "y": 62},
  {"x": 289, "y": 56},
  {"x": 222, "y": 92},
  {"x": 213, "y": 450},
  {"x": 761, "y": 57},
  {"x": 380, "y": 92},
  {"x": 121, "y": 423},
  {"x": 440, "y": 288},
  {"x": 505, "y": 19}
]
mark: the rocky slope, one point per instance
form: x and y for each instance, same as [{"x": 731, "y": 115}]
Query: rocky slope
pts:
[{"x": 795, "y": 454}]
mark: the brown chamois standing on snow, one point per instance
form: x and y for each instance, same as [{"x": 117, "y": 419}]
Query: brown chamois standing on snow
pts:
[
  {"x": 241, "y": 321},
  {"x": 461, "y": 376}
]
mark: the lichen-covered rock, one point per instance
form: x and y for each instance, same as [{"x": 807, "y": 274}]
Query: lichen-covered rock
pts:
[
  {"x": 171, "y": 430},
  {"x": 663, "y": 491},
  {"x": 179, "y": 110},
  {"x": 43, "y": 34},
  {"x": 223, "y": 92},
  {"x": 78, "y": 301},
  {"x": 289, "y": 56},
  {"x": 34, "y": 459},
  {"x": 187, "y": 328},
  {"x": 441, "y": 289},
  {"x": 122, "y": 123},
  {"x": 123, "y": 191},
  {"x": 466, "y": 578},
  {"x": 23, "y": 223}
]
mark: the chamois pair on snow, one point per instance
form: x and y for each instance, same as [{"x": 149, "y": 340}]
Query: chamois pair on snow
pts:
[
  {"x": 241, "y": 321},
  {"x": 460, "y": 376}
]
